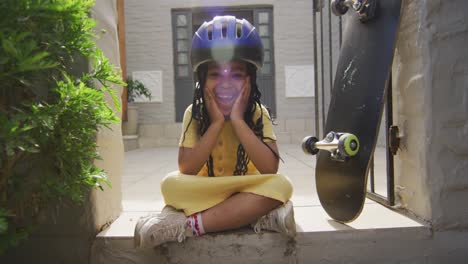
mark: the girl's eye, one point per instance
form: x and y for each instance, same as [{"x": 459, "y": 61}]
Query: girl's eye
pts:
[
  {"x": 238, "y": 76},
  {"x": 213, "y": 75}
]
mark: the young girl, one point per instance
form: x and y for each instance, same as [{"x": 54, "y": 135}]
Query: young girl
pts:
[{"x": 228, "y": 158}]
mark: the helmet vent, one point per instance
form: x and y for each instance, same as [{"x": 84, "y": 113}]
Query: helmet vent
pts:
[
  {"x": 210, "y": 32},
  {"x": 224, "y": 30},
  {"x": 238, "y": 30}
]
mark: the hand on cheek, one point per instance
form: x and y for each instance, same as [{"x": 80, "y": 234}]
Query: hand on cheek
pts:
[
  {"x": 213, "y": 110},
  {"x": 240, "y": 105}
]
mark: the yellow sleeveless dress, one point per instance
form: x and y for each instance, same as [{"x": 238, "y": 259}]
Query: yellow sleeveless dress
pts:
[{"x": 196, "y": 193}]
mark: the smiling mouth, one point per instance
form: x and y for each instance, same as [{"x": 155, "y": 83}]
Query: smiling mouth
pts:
[{"x": 226, "y": 99}]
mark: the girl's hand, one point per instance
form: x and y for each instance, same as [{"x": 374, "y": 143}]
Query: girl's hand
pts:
[
  {"x": 213, "y": 110},
  {"x": 240, "y": 105}
]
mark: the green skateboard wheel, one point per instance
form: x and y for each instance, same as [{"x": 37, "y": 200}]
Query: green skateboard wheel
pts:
[{"x": 348, "y": 145}]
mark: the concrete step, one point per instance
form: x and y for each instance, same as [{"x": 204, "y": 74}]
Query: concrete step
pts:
[{"x": 379, "y": 235}]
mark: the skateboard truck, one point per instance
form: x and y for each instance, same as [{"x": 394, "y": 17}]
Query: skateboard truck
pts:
[
  {"x": 341, "y": 145},
  {"x": 364, "y": 8}
]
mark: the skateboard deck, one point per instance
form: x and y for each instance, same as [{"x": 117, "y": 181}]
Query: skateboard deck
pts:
[{"x": 356, "y": 106}]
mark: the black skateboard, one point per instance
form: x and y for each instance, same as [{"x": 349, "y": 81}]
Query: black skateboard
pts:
[{"x": 356, "y": 105}]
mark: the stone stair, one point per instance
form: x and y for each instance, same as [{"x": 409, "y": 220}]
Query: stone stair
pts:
[{"x": 379, "y": 235}]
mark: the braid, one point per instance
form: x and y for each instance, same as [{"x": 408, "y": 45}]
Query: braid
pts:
[
  {"x": 209, "y": 164},
  {"x": 199, "y": 112},
  {"x": 242, "y": 161},
  {"x": 257, "y": 126}
]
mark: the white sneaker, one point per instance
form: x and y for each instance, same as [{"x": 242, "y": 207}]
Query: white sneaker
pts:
[
  {"x": 280, "y": 220},
  {"x": 155, "y": 229}
]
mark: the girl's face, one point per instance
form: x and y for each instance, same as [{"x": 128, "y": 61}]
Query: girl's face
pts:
[{"x": 226, "y": 81}]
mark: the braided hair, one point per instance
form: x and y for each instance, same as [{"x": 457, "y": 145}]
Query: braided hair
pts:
[{"x": 200, "y": 115}]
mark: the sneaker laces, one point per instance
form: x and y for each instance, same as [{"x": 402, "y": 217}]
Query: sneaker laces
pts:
[
  {"x": 280, "y": 220},
  {"x": 265, "y": 222},
  {"x": 175, "y": 229},
  {"x": 170, "y": 232}
]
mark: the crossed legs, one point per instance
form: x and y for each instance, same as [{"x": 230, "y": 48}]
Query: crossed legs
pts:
[{"x": 239, "y": 210}]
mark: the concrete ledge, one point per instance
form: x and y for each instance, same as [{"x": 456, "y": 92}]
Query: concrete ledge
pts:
[
  {"x": 309, "y": 219},
  {"x": 379, "y": 235}
]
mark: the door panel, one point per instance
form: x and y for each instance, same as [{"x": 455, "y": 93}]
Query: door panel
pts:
[{"x": 182, "y": 32}]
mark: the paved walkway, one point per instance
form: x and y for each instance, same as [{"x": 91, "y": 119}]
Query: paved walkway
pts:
[{"x": 144, "y": 169}]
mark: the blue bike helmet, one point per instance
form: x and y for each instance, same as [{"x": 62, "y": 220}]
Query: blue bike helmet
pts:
[{"x": 226, "y": 38}]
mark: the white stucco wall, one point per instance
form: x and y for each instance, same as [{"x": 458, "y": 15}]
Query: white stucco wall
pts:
[
  {"x": 431, "y": 109},
  {"x": 107, "y": 204},
  {"x": 150, "y": 47}
]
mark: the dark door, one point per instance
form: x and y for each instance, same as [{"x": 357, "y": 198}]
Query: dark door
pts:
[{"x": 183, "y": 78}]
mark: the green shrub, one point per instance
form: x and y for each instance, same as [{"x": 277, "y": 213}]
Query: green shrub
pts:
[
  {"x": 51, "y": 107},
  {"x": 135, "y": 89}
]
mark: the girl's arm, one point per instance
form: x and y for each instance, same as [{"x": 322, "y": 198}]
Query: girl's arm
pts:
[
  {"x": 265, "y": 161},
  {"x": 191, "y": 160}
]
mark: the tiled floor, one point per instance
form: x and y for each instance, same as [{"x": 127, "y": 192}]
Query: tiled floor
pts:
[{"x": 144, "y": 169}]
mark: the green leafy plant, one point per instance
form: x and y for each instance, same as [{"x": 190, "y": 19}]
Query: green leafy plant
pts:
[
  {"x": 51, "y": 107},
  {"x": 136, "y": 89}
]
